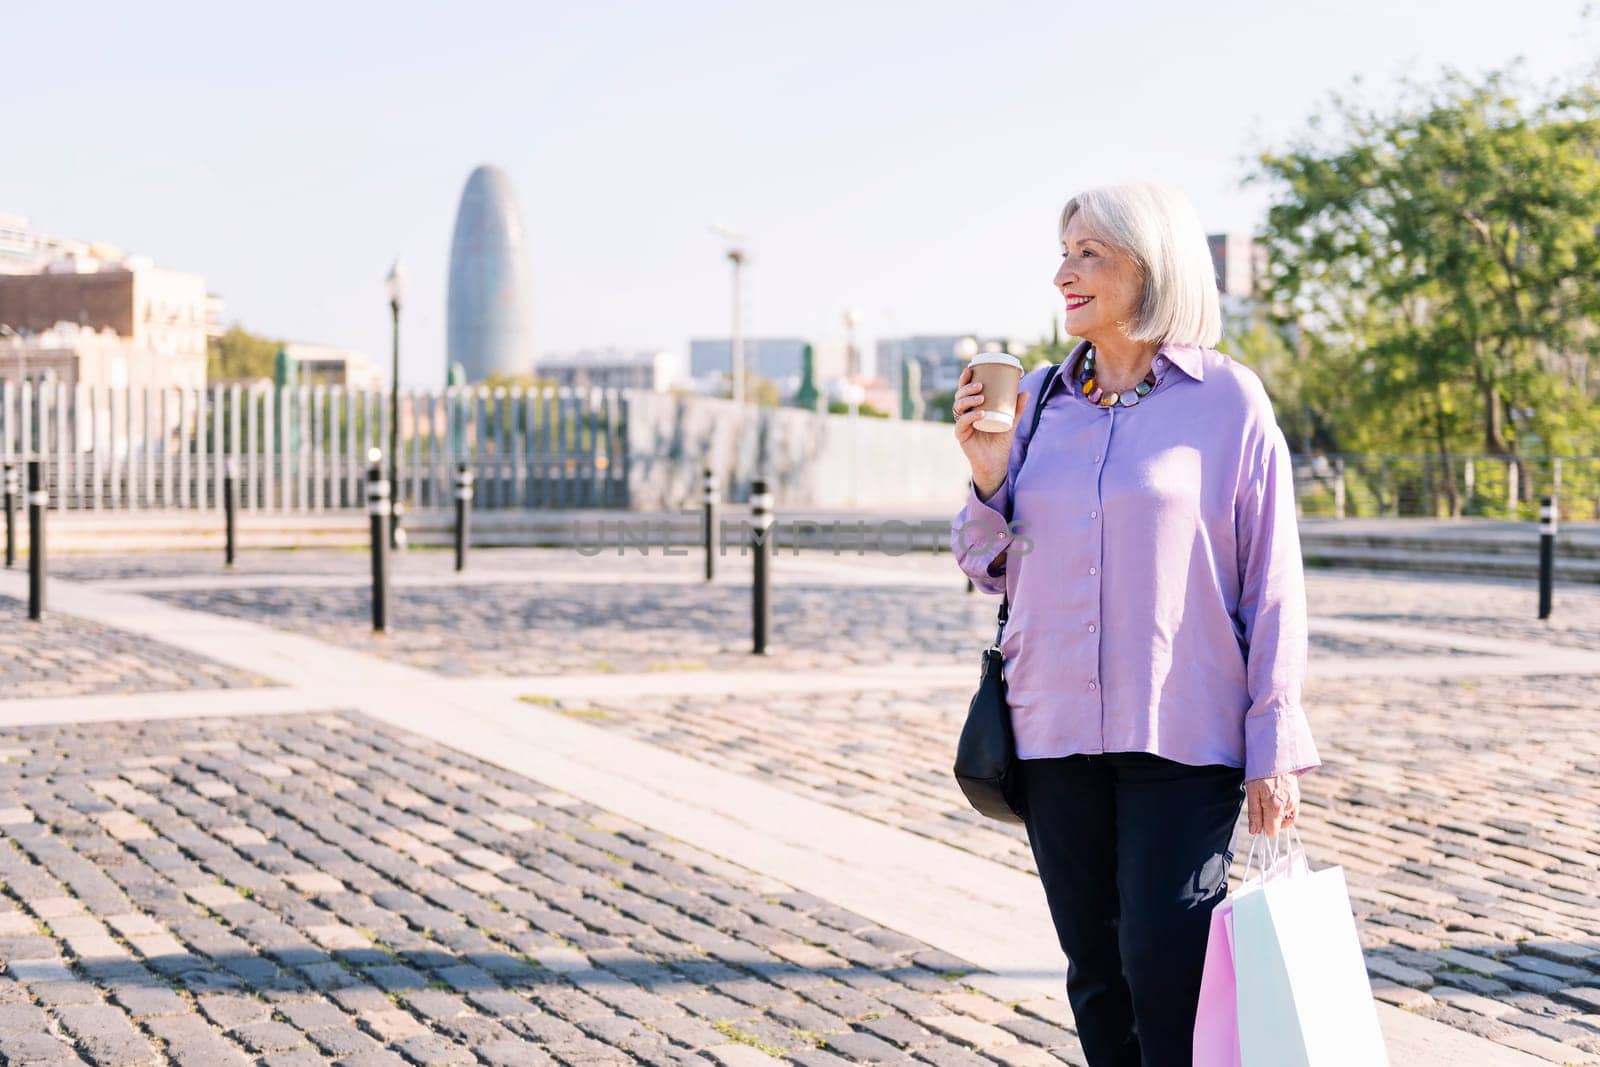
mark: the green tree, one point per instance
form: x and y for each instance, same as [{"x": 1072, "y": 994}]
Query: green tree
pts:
[
  {"x": 239, "y": 355},
  {"x": 1053, "y": 349},
  {"x": 1433, "y": 262}
]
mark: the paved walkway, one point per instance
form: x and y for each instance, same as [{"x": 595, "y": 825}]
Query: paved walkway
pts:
[
  {"x": 321, "y": 886},
  {"x": 1430, "y": 852}
]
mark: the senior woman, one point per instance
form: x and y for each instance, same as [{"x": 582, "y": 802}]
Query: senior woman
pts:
[{"x": 1156, "y": 644}]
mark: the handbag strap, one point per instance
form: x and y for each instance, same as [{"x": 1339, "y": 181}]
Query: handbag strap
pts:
[{"x": 1038, "y": 408}]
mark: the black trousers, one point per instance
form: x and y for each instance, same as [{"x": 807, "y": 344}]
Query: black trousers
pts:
[{"x": 1133, "y": 851}]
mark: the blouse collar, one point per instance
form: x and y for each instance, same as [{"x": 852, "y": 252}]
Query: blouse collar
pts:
[{"x": 1188, "y": 358}]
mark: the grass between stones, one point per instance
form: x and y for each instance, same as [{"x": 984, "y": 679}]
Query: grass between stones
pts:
[{"x": 743, "y": 1037}]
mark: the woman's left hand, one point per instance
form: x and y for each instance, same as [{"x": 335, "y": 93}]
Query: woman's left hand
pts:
[{"x": 1273, "y": 803}]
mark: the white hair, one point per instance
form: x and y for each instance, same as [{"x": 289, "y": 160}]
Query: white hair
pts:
[{"x": 1158, "y": 227}]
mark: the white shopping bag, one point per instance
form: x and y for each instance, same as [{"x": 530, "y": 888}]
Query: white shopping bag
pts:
[{"x": 1303, "y": 995}]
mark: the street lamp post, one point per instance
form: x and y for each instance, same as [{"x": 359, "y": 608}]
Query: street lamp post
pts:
[
  {"x": 852, "y": 359},
  {"x": 854, "y": 393},
  {"x": 736, "y": 342},
  {"x": 736, "y": 256},
  {"x": 396, "y": 285}
]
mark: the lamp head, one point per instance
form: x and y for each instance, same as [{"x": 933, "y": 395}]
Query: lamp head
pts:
[{"x": 395, "y": 283}]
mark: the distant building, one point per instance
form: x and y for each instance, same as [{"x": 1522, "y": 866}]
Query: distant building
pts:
[
  {"x": 215, "y": 310},
  {"x": 489, "y": 329},
  {"x": 1240, "y": 261},
  {"x": 158, "y": 318},
  {"x": 26, "y": 251},
  {"x": 329, "y": 365},
  {"x": 936, "y": 354},
  {"x": 611, "y": 368},
  {"x": 766, "y": 357}
]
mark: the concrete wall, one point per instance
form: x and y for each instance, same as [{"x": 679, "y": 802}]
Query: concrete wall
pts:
[{"x": 813, "y": 461}]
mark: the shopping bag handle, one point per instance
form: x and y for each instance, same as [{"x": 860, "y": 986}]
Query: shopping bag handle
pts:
[{"x": 1271, "y": 854}]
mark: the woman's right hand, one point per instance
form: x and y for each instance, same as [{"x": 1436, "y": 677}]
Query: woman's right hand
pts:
[{"x": 987, "y": 453}]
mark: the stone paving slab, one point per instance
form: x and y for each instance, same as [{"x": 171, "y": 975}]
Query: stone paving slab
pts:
[
  {"x": 1463, "y": 813},
  {"x": 60, "y": 655},
  {"x": 321, "y": 888}
]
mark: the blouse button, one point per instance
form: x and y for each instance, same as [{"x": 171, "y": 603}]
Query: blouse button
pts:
[
  {"x": 1094, "y": 514},
  {"x": 1091, "y": 627},
  {"x": 1092, "y": 687},
  {"x": 1092, "y": 570}
]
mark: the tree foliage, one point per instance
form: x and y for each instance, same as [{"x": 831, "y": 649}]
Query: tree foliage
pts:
[
  {"x": 240, "y": 356},
  {"x": 1432, "y": 271}
]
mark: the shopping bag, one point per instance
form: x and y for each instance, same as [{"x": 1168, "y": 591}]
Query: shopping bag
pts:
[
  {"x": 1304, "y": 999},
  {"x": 1216, "y": 1021}
]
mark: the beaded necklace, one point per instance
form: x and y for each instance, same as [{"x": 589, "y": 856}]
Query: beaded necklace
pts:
[{"x": 1111, "y": 398}]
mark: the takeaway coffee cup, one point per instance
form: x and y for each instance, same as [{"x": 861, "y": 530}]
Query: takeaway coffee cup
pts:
[{"x": 999, "y": 374}]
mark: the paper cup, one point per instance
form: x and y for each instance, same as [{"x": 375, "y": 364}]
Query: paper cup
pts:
[{"x": 999, "y": 374}]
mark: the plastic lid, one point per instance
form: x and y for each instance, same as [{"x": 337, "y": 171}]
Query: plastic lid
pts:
[{"x": 996, "y": 357}]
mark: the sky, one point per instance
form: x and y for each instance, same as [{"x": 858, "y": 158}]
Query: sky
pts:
[{"x": 908, "y": 159}]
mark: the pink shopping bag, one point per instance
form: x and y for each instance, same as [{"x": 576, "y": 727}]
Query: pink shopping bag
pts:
[{"x": 1216, "y": 1023}]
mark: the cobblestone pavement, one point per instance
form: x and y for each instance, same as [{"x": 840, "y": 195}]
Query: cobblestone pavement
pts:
[
  {"x": 96, "y": 567},
  {"x": 356, "y": 561},
  {"x": 1481, "y": 607},
  {"x": 550, "y": 628},
  {"x": 62, "y": 656},
  {"x": 1463, "y": 813},
  {"x": 319, "y": 888}
]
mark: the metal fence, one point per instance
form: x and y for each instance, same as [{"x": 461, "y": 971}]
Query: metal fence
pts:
[
  {"x": 304, "y": 449},
  {"x": 1500, "y": 487}
]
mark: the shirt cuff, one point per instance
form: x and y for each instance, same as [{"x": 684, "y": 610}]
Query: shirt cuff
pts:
[
  {"x": 1278, "y": 742},
  {"x": 979, "y": 534}
]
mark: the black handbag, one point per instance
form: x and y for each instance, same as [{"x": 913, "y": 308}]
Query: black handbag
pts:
[{"x": 986, "y": 756}]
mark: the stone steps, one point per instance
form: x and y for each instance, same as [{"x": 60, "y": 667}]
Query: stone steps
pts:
[{"x": 1480, "y": 564}]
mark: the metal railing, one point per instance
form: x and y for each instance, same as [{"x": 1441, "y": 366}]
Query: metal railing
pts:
[{"x": 304, "y": 449}]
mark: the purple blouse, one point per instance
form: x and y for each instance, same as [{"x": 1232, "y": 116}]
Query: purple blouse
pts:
[{"x": 1153, "y": 565}]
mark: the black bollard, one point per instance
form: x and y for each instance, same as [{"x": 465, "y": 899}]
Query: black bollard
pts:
[
  {"x": 711, "y": 523},
  {"x": 37, "y": 499},
  {"x": 230, "y": 509},
  {"x": 378, "y": 509},
  {"x": 464, "y": 481},
  {"x": 1547, "y": 553},
  {"x": 13, "y": 485},
  {"x": 761, "y": 516}
]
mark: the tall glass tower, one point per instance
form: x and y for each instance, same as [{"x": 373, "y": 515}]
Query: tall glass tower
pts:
[{"x": 490, "y": 312}]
